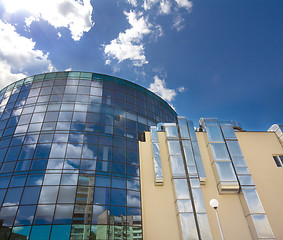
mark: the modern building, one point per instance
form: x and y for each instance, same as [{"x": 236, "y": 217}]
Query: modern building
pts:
[{"x": 90, "y": 156}]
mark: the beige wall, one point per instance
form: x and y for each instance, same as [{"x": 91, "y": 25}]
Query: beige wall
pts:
[
  {"x": 158, "y": 206},
  {"x": 160, "y": 220},
  {"x": 258, "y": 148}
]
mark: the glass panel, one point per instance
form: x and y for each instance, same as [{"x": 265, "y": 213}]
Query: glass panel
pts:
[
  {"x": 228, "y": 131},
  {"x": 7, "y": 215},
  {"x": 102, "y": 196},
  {"x": 40, "y": 233},
  {"x": 63, "y": 214},
  {"x": 44, "y": 214},
  {"x": 61, "y": 232},
  {"x": 18, "y": 181},
  {"x": 48, "y": 194},
  {"x": 22, "y": 231},
  {"x": 30, "y": 195},
  {"x": 102, "y": 181},
  {"x": 69, "y": 179},
  {"x": 51, "y": 179},
  {"x": 25, "y": 215},
  {"x": 214, "y": 134},
  {"x": 219, "y": 151},
  {"x": 234, "y": 149},
  {"x": 133, "y": 199},
  {"x": 13, "y": 196},
  {"x": 118, "y": 197},
  {"x": 66, "y": 194},
  {"x": 82, "y": 214},
  {"x": 34, "y": 180},
  {"x": 225, "y": 171},
  {"x": 181, "y": 189},
  {"x": 174, "y": 148}
]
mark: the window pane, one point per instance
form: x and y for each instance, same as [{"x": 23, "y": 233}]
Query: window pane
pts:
[
  {"x": 44, "y": 214},
  {"x": 30, "y": 195},
  {"x": 25, "y": 215},
  {"x": 63, "y": 214},
  {"x": 66, "y": 194},
  {"x": 13, "y": 196},
  {"x": 40, "y": 233},
  {"x": 48, "y": 194},
  {"x": 61, "y": 232}
]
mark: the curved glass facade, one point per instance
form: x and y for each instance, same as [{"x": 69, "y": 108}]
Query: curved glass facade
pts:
[{"x": 69, "y": 156}]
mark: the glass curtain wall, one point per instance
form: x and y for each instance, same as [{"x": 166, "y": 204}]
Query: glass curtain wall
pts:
[{"x": 69, "y": 162}]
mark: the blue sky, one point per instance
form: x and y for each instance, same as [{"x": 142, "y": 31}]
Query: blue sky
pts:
[{"x": 206, "y": 58}]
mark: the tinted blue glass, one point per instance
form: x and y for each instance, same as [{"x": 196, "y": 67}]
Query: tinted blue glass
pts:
[
  {"x": 105, "y": 153},
  {"x": 22, "y": 231},
  {"x": 103, "y": 166},
  {"x": 2, "y": 154},
  {"x": 7, "y": 215},
  {"x": 88, "y": 165},
  {"x": 48, "y": 194},
  {"x": 44, "y": 214},
  {"x": 34, "y": 180},
  {"x": 4, "y": 143},
  {"x": 132, "y": 157},
  {"x": 118, "y": 182},
  {"x": 42, "y": 151},
  {"x": 104, "y": 146},
  {"x": 40, "y": 233},
  {"x": 38, "y": 164},
  {"x": 58, "y": 150},
  {"x": 63, "y": 214},
  {"x": 4, "y": 182},
  {"x": 23, "y": 165},
  {"x": 118, "y": 197},
  {"x": 61, "y": 232},
  {"x": 118, "y": 168},
  {"x": 66, "y": 194},
  {"x": 119, "y": 155},
  {"x": 27, "y": 152},
  {"x": 17, "y": 141},
  {"x": 2, "y": 194},
  {"x": 12, "y": 154},
  {"x": 89, "y": 151},
  {"x": 25, "y": 215},
  {"x": 8, "y": 167},
  {"x": 18, "y": 181},
  {"x": 30, "y": 195},
  {"x": 13, "y": 196},
  {"x": 102, "y": 181},
  {"x": 102, "y": 196}
]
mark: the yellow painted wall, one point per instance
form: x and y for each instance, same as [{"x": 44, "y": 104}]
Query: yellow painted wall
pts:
[
  {"x": 258, "y": 148},
  {"x": 160, "y": 220},
  {"x": 158, "y": 205}
]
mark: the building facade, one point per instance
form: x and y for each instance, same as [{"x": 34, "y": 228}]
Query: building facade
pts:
[
  {"x": 182, "y": 170},
  {"x": 69, "y": 156},
  {"x": 86, "y": 156}
]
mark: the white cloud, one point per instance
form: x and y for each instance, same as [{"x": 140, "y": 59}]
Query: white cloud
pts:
[
  {"x": 159, "y": 87},
  {"x": 6, "y": 76},
  {"x": 185, "y": 4},
  {"x": 129, "y": 45},
  {"x": 133, "y": 2},
  {"x": 165, "y": 7},
  {"x": 147, "y": 4},
  {"x": 178, "y": 23},
  {"x": 72, "y": 14},
  {"x": 107, "y": 62},
  {"x": 181, "y": 89},
  {"x": 17, "y": 53},
  {"x": 59, "y": 34}
]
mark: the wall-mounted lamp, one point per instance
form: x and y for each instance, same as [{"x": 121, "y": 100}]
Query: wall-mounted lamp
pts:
[{"x": 214, "y": 204}]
